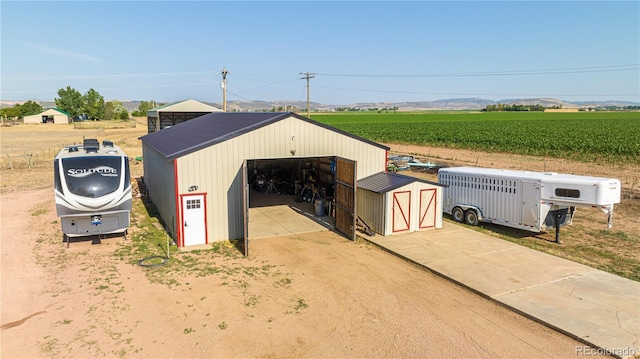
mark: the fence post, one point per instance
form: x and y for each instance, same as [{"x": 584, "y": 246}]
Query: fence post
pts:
[{"x": 27, "y": 158}]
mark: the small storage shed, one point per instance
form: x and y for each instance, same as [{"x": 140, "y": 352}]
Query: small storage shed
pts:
[
  {"x": 392, "y": 203},
  {"x": 197, "y": 172},
  {"x": 175, "y": 113},
  {"x": 52, "y": 115}
]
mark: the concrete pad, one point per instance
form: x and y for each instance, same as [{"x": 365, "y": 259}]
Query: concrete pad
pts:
[
  {"x": 509, "y": 270},
  {"x": 598, "y": 308},
  {"x": 273, "y": 221}
]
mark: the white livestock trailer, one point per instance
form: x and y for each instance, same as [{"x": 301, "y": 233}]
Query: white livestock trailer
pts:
[{"x": 532, "y": 201}]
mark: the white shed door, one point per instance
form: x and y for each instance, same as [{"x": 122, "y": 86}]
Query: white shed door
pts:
[
  {"x": 428, "y": 207},
  {"x": 401, "y": 211},
  {"x": 193, "y": 220}
]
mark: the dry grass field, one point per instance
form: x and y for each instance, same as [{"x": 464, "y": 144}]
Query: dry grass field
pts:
[{"x": 43, "y": 142}]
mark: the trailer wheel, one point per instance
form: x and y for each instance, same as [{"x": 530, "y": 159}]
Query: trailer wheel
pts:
[
  {"x": 471, "y": 217},
  {"x": 458, "y": 214}
]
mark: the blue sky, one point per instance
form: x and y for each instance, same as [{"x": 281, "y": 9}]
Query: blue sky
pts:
[{"x": 360, "y": 51}]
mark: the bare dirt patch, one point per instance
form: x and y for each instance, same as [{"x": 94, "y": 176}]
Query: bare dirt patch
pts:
[{"x": 311, "y": 295}]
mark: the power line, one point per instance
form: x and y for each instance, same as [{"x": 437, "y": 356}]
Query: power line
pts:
[
  {"x": 571, "y": 70},
  {"x": 461, "y": 94}
]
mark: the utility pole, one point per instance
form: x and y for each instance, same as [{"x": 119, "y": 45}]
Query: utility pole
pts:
[
  {"x": 224, "y": 89},
  {"x": 307, "y": 76}
]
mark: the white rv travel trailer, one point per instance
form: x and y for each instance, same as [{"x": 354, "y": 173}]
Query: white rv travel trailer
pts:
[
  {"x": 92, "y": 189},
  {"x": 532, "y": 201}
]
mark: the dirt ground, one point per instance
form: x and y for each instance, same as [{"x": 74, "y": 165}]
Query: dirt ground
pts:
[{"x": 315, "y": 295}]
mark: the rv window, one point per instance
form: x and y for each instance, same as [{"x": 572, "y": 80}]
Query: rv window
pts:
[
  {"x": 56, "y": 177},
  {"x": 566, "y": 192},
  {"x": 92, "y": 176}
]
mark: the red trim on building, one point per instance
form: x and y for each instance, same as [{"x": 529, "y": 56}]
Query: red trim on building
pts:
[
  {"x": 206, "y": 227},
  {"x": 178, "y": 205},
  {"x": 386, "y": 160}
]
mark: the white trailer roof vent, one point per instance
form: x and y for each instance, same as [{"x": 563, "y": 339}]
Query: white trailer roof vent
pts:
[{"x": 106, "y": 143}]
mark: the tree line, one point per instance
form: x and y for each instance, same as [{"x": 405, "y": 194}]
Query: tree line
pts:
[
  {"x": 515, "y": 107},
  {"x": 90, "y": 106}
]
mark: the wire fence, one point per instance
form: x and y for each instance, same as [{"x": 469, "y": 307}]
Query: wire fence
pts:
[{"x": 33, "y": 158}]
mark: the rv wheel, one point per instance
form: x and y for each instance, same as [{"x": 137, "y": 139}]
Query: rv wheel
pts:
[
  {"x": 471, "y": 217},
  {"x": 457, "y": 214}
]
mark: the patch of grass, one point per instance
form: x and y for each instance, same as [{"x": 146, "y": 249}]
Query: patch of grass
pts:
[
  {"x": 147, "y": 239},
  {"x": 49, "y": 345},
  {"x": 223, "y": 326},
  {"x": 282, "y": 282},
  {"x": 188, "y": 330},
  {"x": 251, "y": 301},
  {"x": 299, "y": 305},
  {"x": 39, "y": 212}
]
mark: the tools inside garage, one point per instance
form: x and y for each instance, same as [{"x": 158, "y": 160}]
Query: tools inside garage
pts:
[{"x": 310, "y": 180}]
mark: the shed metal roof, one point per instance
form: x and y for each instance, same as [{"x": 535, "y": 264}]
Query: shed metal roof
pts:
[
  {"x": 384, "y": 182},
  {"x": 182, "y": 106},
  {"x": 217, "y": 127}
]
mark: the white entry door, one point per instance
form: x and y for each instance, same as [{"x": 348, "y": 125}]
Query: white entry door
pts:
[{"x": 194, "y": 220}]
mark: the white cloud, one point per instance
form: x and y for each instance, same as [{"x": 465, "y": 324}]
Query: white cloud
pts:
[{"x": 61, "y": 52}]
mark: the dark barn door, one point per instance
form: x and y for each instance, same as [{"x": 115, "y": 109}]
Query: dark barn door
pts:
[{"x": 345, "y": 195}]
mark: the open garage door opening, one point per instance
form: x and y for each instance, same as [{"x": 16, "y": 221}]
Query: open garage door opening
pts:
[{"x": 298, "y": 195}]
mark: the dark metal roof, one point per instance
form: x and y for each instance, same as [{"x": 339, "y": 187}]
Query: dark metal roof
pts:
[
  {"x": 383, "y": 182},
  {"x": 217, "y": 127}
]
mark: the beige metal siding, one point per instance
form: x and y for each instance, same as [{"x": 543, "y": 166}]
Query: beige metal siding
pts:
[
  {"x": 32, "y": 119},
  {"x": 371, "y": 207},
  {"x": 61, "y": 119},
  {"x": 216, "y": 170},
  {"x": 159, "y": 179}
]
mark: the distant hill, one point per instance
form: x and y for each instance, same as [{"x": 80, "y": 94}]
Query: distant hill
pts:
[
  {"x": 444, "y": 104},
  {"x": 455, "y": 104}
]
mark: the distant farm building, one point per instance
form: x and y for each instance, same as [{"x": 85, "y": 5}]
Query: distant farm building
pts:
[
  {"x": 574, "y": 109},
  {"x": 175, "y": 113},
  {"x": 52, "y": 115}
]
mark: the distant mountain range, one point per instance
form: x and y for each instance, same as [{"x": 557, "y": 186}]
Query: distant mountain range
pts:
[
  {"x": 456, "y": 104},
  {"x": 445, "y": 104}
]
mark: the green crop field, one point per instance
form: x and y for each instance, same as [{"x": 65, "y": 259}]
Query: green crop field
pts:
[{"x": 613, "y": 137}]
